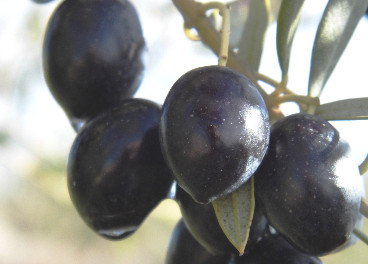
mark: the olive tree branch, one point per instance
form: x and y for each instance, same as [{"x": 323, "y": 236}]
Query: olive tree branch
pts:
[
  {"x": 280, "y": 87},
  {"x": 301, "y": 100}
]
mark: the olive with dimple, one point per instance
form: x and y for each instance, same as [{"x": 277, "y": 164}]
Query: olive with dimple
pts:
[
  {"x": 92, "y": 55},
  {"x": 309, "y": 185},
  {"x": 214, "y": 131},
  {"x": 116, "y": 172}
]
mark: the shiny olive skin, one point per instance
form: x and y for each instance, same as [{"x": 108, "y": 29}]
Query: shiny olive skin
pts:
[
  {"x": 92, "y": 55},
  {"x": 203, "y": 225},
  {"x": 308, "y": 184},
  {"x": 214, "y": 131},
  {"x": 273, "y": 249},
  {"x": 116, "y": 172},
  {"x": 184, "y": 249}
]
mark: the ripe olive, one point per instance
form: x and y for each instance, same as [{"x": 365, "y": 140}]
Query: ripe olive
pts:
[
  {"x": 309, "y": 185},
  {"x": 214, "y": 131},
  {"x": 116, "y": 172},
  {"x": 92, "y": 55}
]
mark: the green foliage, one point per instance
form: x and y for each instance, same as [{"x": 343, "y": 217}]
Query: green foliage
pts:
[
  {"x": 252, "y": 38},
  {"x": 287, "y": 22},
  {"x": 334, "y": 32},
  {"x": 349, "y": 109}
]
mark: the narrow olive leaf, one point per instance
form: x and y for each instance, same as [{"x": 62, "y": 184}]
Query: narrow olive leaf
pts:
[
  {"x": 234, "y": 213},
  {"x": 253, "y": 35},
  {"x": 337, "y": 25},
  {"x": 287, "y": 22},
  {"x": 348, "y": 109}
]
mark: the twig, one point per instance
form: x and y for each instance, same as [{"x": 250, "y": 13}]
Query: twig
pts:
[{"x": 361, "y": 235}]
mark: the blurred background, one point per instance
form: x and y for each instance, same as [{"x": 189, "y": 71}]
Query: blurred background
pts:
[{"x": 37, "y": 221}]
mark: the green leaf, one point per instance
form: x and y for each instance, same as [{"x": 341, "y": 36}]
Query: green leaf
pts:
[
  {"x": 287, "y": 22},
  {"x": 252, "y": 39},
  {"x": 348, "y": 109},
  {"x": 235, "y": 214},
  {"x": 338, "y": 23}
]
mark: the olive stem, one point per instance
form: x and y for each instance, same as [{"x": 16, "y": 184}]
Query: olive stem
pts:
[
  {"x": 225, "y": 36},
  {"x": 225, "y": 30},
  {"x": 281, "y": 88},
  {"x": 364, "y": 208},
  {"x": 311, "y": 109},
  {"x": 274, "y": 83},
  {"x": 361, "y": 235},
  {"x": 363, "y": 168}
]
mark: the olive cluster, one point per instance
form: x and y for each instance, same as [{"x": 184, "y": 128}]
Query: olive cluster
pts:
[
  {"x": 211, "y": 136},
  {"x": 92, "y": 60},
  {"x": 308, "y": 192}
]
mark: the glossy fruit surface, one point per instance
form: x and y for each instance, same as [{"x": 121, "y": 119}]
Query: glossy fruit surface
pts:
[
  {"x": 184, "y": 249},
  {"x": 273, "y": 249},
  {"x": 214, "y": 131},
  {"x": 309, "y": 185},
  {"x": 92, "y": 55},
  {"x": 203, "y": 225},
  {"x": 116, "y": 172}
]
